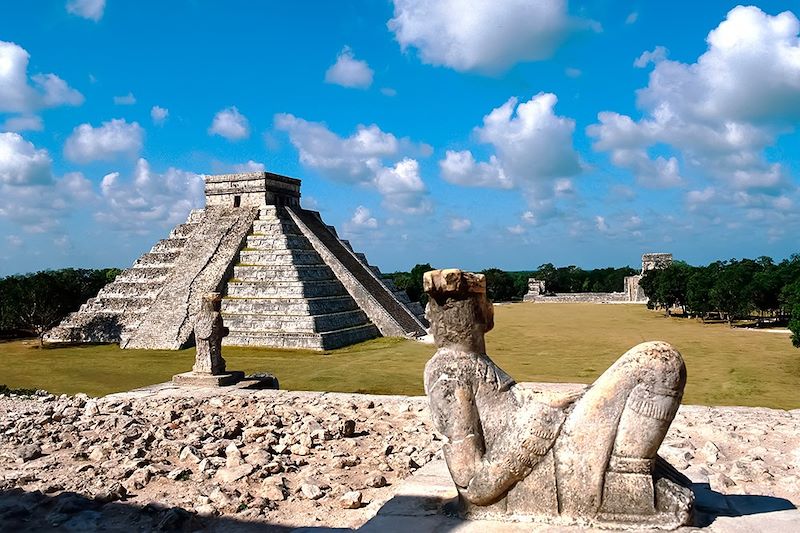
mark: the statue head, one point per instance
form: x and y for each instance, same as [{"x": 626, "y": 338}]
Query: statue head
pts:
[
  {"x": 459, "y": 312},
  {"x": 211, "y": 303}
]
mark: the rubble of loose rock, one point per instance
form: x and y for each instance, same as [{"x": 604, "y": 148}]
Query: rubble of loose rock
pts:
[
  {"x": 185, "y": 460},
  {"x": 177, "y": 461}
]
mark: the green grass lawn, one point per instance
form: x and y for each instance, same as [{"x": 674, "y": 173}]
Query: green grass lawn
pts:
[{"x": 533, "y": 342}]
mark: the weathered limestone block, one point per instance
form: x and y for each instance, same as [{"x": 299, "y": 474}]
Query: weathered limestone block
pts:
[
  {"x": 209, "y": 365},
  {"x": 584, "y": 457}
]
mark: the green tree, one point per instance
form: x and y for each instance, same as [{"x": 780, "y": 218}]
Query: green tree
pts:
[
  {"x": 732, "y": 291},
  {"x": 790, "y": 299},
  {"x": 33, "y": 303},
  {"x": 698, "y": 290},
  {"x": 499, "y": 285},
  {"x": 547, "y": 273}
]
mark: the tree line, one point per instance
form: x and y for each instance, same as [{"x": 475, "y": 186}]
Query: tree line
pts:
[
  {"x": 503, "y": 286},
  {"x": 758, "y": 289},
  {"x": 31, "y": 304}
]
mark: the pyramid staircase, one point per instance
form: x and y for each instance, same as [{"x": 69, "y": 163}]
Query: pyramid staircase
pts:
[
  {"x": 282, "y": 294},
  {"x": 364, "y": 283},
  {"x": 117, "y": 310}
]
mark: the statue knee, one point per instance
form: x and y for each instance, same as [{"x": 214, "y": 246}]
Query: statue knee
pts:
[{"x": 658, "y": 365}]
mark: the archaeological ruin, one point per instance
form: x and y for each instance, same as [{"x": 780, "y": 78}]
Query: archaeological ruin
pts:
[
  {"x": 287, "y": 280},
  {"x": 631, "y": 293},
  {"x": 652, "y": 261}
]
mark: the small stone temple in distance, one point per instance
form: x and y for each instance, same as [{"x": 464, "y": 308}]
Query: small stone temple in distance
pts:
[{"x": 287, "y": 279}]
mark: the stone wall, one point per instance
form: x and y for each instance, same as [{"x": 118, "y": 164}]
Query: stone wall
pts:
[
  {"x": 252, "y": 189},
  {"x": 584, "y": 297}
]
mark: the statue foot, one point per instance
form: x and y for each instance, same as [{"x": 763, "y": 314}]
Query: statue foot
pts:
[{"x": 636, "y": 501}]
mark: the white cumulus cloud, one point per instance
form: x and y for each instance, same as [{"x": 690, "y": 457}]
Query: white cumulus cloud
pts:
[
  {"x": 88, "y": 9},
  {"x": 482, "y": 35},
  {"x": 32, "y": 196},
  {"x": 135, "y": 205},
  {"x": 21, "y": 163},
  {"x": 349, "y": 71},
  {"x": 719, "y": 114},
  {"x": 362, "y": 220},
  {"x": 159, "y": 115},
  {"x": 231, "y": 124},
  {"x": 533, "y": 150},
  {"x": 369, "y": 157},
  {"x": 107, "y": 142},
  {"x": 18, "y": 95},
  {"x": 460, "y": 168}
]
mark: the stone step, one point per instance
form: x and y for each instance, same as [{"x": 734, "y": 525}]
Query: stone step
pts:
[
  {"x": 152, "y": 274},
  {"x": 169, "y": 245},
  {"x": 80, "y": 319},
  {"x": 295, "y": 323},
  {"x": 291, "y": 306},
  {"x": 402, "y": 296},
  {"x": 267, "y": 211},
  {"x": 286, "y": 257},
  {"x": 283, "y": 272},
  {"x": 159, "y": 259},
  {"x": 309, "y": 341},
  {"x": 285, "y": 289},
  {"x": 270, "y": 227},
  {"x": 117, "y": 305},
  {"x": 418, "y": 310},
  {"x": 277, "y": 242},
  {"x": 124, "y": 289},
  {"x": 181, "y": 231},
  {"x": 195, "y": 216}
]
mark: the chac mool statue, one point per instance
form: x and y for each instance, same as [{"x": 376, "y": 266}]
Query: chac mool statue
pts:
[{"x": 514, "y": 454}]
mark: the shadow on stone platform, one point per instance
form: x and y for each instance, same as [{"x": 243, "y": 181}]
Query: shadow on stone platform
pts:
[
  {"x": 420, "y": 506},
  {"x": 710, "y": 505},
  {"x": 422, "y": 502}
]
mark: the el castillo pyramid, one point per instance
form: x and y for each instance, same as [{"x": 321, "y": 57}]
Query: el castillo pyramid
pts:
[{"x": 286, "y": 278}]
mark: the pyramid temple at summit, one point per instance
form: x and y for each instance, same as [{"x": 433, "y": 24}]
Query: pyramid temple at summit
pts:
[{"x": 286, "y": 278}]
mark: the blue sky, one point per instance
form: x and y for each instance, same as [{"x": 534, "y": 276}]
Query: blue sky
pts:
[{"x": 470, "y": 134}]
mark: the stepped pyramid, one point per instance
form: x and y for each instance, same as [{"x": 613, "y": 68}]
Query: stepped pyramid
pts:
[{"x": 287, "y": 279}]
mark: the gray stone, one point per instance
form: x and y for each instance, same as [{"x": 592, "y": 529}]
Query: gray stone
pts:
[
  {"x": 29, "y": 452},
  {"x": 581, "y": 457}
]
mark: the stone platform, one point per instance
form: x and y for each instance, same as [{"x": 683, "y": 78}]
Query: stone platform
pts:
[
  {"x": 194, "y": 379},
  {"x": 425, "y": 503}
]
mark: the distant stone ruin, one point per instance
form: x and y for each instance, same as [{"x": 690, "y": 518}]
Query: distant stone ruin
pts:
[
  {"x": 536, "y": 288},
  {"x": 632, "y": 292},
  {"x": 286, "y": 278},
  {"x": 651, "y": 261}
]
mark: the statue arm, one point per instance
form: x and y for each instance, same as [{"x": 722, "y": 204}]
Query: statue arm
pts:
[
  {"x": 456, "y": 417},
  {"x": 482, "y": 477}
]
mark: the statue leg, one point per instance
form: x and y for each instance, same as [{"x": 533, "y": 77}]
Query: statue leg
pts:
[{"x": 617, "y": 427}]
